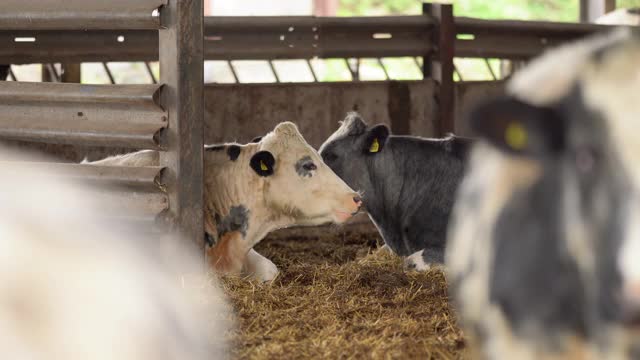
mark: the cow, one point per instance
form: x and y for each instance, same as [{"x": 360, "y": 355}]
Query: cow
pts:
[
  {"x": 274, "y": 182},
  {"x": 75, "y": 285},
  {"x": 408, "y": 183},
  {"x": 544, "y": 240},
  {"x": 629, "y": 16}
]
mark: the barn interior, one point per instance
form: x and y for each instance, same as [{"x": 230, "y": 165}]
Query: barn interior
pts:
[{"x": 88, "y": 83}]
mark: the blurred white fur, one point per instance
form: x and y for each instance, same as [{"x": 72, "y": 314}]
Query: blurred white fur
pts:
[{"x": 73, "y": 286}]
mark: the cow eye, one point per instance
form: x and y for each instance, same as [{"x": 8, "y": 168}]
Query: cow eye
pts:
[
  {"x": 329, "y": 157},
  {"x": 309, "y": 166}
]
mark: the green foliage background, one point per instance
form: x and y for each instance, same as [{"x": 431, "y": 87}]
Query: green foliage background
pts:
[{"x": 470, "y": 69}]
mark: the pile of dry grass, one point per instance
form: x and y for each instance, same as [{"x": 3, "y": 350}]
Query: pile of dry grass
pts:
[{"x": 335, "y": 298}]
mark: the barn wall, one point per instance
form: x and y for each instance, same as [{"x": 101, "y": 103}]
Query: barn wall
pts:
[
  {"x": 241, "y": 112},
  {"x": 470, "y": 93}
]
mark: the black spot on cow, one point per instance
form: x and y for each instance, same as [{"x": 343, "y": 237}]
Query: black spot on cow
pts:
[
  {"x": 236, "y": 220},
  {"x": 305, "y": 167},
  {"x": 233, "y": 151},
  {"x": 209, "y": 240},
  {"x": 214, "y": 147},
  {"x": 263, "y": 163},
  {"x": 256, "y": 139}
]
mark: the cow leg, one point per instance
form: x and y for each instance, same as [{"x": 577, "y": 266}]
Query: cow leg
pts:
[
  {"x": 259, "y": 267},
  {"x": 423, "y": 260},
  {"x": 228, "y": 254}
]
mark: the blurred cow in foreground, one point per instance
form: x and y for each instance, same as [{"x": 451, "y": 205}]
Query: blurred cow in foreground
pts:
[
  {"x": 629, "y": 16},
  {"x": 544, "y": 253},
  {"x": 75, "y": 286}
]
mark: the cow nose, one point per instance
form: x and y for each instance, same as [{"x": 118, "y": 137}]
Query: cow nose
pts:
[{"x": 357, "y": 200}]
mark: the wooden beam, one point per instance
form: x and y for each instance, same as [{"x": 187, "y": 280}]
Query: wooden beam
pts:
[
  {"x": 181, "y": 72},
  {"x": 440, "y": 67}
]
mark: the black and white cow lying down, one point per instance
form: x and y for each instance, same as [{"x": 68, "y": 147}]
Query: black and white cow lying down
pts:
[
  {"x": 76, "y": 286},
  {"x": 544, "y": 246},
  {"x": 277, "y": 181},
  {"x": 408, "y": 183}
]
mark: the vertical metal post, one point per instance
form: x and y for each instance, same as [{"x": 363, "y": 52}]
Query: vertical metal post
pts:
[
  {"x": 440, "y": 67},
  {"x": 182, "y": 72},
  {"x": 590, "y": 10},
  {"x": 71, "y": 73}
]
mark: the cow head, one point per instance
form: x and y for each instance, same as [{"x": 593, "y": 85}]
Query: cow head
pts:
[
  {"x": 297, "y": 183},
  {"x": 350, "y": 150},
  {"x": 552, "y": 201}
]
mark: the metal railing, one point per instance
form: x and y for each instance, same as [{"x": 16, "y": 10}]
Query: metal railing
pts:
[
  {"x": 166, "y": 117},
  {"x": 436, "y": 37}
]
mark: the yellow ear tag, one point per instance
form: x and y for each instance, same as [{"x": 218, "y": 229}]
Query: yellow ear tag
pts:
[
  {"x": 375, "y": 146},
  {"x": 263, "y": 167},
  {"x": 516, "y": 136}
]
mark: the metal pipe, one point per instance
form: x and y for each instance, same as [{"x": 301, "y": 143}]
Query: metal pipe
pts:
[
  {"x": 109, "y": 74},
  {"x": 150, "y": 72}
]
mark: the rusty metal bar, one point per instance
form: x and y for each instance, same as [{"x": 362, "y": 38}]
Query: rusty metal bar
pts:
[
  {"x": 384, "y": 69},
  {"x": 98, "y": 115},
  {"x": 493, "y": 74},
  {"x": 313, "y": 72},
  {"x": 182, "y": 72},
  {"x": 150, "y": 72},
  {"x": 109, "y": 74},
  {"x": 273, "y": 70},
  {"x": 79, "y": 14},
  {"x": 144, "y": 177},
  {"x": 233, "y": 71}
]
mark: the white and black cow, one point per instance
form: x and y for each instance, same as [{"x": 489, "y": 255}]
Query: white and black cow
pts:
[
  {"x": 408, "y": 183},
  {"x": 75, "y": 286},
  {"x": 544, "y": 245},
  {"x": 630, "y": 16},
  {"x": 277, "y": 181}
]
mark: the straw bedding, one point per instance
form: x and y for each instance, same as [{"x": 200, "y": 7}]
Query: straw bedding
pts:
[{"x": 338, "y": 297}]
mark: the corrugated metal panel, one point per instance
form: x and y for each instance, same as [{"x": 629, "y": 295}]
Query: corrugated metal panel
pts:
[
  {"x": 143, "y": 177},
  {"x": 102, "y": 115},
  {"x": 79, "y": 14}
]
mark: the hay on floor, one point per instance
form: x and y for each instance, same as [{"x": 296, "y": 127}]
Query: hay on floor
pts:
[{"x": 337, "y": 297}]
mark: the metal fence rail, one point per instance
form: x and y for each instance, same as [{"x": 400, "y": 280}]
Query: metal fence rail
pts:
[
  {"x": 509, "y": 39},
  {"x": 80, "y": 14},
  {"x": 141, "y": 178},
  {"x": 285, "y": 37},
  {"x": 63, "y": 113},
  {"x": 167, "y": 117}
]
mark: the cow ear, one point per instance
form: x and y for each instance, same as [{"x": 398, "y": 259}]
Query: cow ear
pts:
[
  {"x": 376, "y": 139},
  {"x": 262, "y": 163},
  {"x": 519, "y": 128},
  {"x": 256, "y": 139}
]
